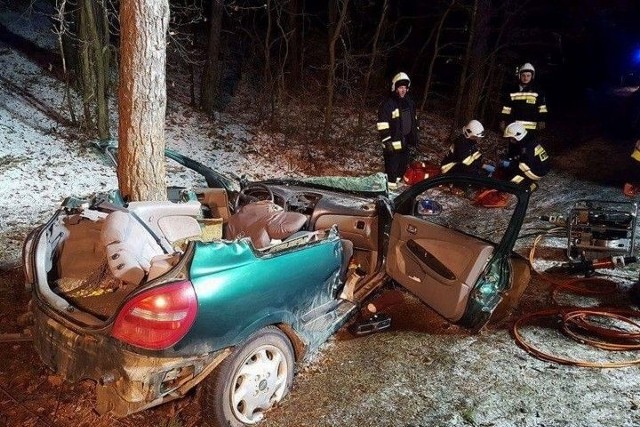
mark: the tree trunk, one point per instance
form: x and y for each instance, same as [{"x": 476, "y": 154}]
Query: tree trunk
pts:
[
  {"x": 94, "y": 63},
  {"x": 335, "y": 28},
  {"x": 436, "y": 53},
  {"x": 295, "y": 43},
  {"x": 210, "y": 91},
  {"x": 68, "y": 50},
  {"x": 98, "y": 38},
  {"x": 87, "y": 77},
  {"x": 142, "y": 99},
  {"x": 472, "y": 83},
  {"x": 267, "y": 79},
  {"x": 372, "y": 60}
]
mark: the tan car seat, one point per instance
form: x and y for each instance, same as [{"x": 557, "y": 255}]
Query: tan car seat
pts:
[{"x": 263, "y": 221}]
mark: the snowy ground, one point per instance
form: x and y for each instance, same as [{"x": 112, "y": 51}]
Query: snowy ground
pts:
[{"x": 423, "y": 372}]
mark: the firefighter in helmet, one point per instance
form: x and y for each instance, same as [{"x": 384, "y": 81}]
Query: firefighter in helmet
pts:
[
  {"x": 524, "y": 102},
  {"x": 529, "y": 160},
  {"x": 463, "y": 155},
  {"x": 398, "y": 129}
]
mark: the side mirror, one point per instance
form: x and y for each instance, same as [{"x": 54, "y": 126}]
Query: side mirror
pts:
[{"x": 427, "y": 207}]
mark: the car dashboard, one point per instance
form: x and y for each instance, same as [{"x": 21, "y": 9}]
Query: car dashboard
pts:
[{"x": 355, "y": 216}]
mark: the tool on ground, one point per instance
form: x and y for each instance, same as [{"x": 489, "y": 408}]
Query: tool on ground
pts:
[
  {"x": 377, "y": 322},
  {"x": 589, "y": 266},
  {"x": 597, "y": 228}
]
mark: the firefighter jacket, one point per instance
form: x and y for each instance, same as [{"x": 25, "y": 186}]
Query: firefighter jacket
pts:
[
  {"x": 635, "y": 154},
  {"x": 524, "y": 104},
  {"x": 463, "y": 156},
  {"x": 531, "y": 164},
  {"x": 397, "y": 124}
]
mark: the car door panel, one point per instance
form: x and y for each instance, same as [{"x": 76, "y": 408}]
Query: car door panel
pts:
[{"x": 439, "y": 265}]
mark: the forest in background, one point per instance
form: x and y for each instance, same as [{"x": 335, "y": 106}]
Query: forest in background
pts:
[{"x": 308, "y": 57}]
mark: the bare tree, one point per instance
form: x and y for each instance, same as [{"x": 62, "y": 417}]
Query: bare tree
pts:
[
  {"x": 337, "y": 20},
  {"x": 295, "y": 44},
  {"x": 94, "y": 59},
  {"x": 61, "y": 32},
  {"x": 472, "y": 77},
  {"x": 210, "y": 90},
  {"x": 83, "y": 34},
  {"x": 142, "y": 99},
  {"x": 372, "y": 60},
  {"x": 437, "y": 32}
]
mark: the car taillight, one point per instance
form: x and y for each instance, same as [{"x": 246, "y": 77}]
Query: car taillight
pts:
[{"x": 158, "y": 318}]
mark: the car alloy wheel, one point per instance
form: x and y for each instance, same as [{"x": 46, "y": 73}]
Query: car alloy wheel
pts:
[{"x": 255, "y": 377}]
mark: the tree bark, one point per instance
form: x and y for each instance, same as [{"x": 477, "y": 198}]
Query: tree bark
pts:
[
  {"x": 372, "y": 61},
  {"x": 295, "y": 43},
  {"x": 210, "y": 91},
  {"x": 472, "y": 82},
  {"x": 142, "y": 99},
  {"x": 436, "y": 53},
  {"x": 335, "y": 28},
  {"x": 94, "y": 65},
  {"x": 98, "y": 43}
]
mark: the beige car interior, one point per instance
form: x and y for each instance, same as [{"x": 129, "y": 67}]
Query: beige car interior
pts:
[
  {"x": 143, "y": 241},
  {"x": 129, "y": 247},
  {"x": 264, "y": 222},
  {"x": 440, "y": 266},
  {"x": 216, "y": 200},
  {"x": 362, "y": 231}
]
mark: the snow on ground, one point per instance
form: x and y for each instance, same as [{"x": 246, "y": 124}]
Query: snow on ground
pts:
[{"x": 443, "y": 376}]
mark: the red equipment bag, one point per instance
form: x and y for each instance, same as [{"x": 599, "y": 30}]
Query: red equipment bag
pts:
[
  {"x": 417, "y": 171},
  {"x": 491, "y": 199}
]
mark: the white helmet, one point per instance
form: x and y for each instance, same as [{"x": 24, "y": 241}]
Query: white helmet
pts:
[
  {"x": 473, "y": 128},
  {"x": 515, "y": 130},
  {"x": 526, "y": 67},
  {"x": 400, "y": 79}
]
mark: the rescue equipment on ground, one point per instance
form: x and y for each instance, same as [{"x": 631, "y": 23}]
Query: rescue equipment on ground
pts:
[
  {"x": 589, "y": 266},
  {"x": 418, "y": 171},
  {"x": 491, "y": 199},
  {"x": 605, "y": 328},
  {"x": 376, "y": 323},
  {"x": 596, "y": 228}
]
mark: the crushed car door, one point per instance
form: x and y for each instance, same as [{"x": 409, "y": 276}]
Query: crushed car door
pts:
[{"x": 452, "y": 252}]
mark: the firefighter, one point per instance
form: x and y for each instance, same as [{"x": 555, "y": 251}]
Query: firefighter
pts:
[
  {"x": 524, "y": 102},
  {"x": 398, "y": 129},
  {"x": 463, "y": 154},
  {"x": 529, "y": 161},
  {"x": 632, "y": 188}
]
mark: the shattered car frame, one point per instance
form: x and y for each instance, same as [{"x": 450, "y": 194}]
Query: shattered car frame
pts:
[{"x": 150, "y": 299}]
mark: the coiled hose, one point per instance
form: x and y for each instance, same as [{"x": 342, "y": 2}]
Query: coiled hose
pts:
[{"x": 581, "y": 324}]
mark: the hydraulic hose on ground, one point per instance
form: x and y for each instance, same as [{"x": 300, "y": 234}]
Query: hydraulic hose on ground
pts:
[{"x": 579, "y": 323}]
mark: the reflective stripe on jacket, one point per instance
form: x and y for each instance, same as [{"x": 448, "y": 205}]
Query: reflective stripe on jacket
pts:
[
  {"x": 389, "y": 124},
  {"x": 527, "y": 105}
]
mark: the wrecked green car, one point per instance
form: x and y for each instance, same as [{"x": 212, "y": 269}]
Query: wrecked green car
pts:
[{"x": 228, "y": 286}]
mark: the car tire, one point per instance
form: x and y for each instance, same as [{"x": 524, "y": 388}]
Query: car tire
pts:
[{"x": 255, "y": 377}]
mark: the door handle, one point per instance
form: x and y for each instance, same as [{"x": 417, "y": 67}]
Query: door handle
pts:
[{"x": 430, "y": 260}]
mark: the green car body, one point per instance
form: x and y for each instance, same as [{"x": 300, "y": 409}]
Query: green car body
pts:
[{"x": 228, "y": 295}]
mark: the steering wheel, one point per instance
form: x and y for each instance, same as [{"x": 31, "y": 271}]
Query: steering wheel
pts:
[{"x": 243, "y": 198}]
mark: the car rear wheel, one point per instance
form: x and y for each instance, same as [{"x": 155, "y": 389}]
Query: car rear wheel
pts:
[{"x": 255, "y": 377}]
